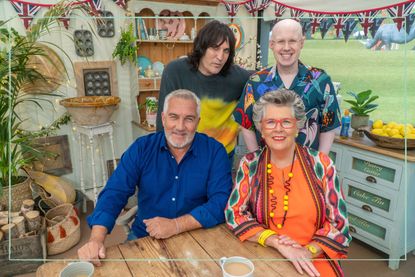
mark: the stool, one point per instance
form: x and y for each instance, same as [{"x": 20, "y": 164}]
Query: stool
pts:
[{"x": 91, "y": 132}]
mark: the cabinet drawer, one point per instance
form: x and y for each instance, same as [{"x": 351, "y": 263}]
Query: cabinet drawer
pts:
[
  {"x": 370, "y": 226},
  {"x": 372, "y": 171},
  {"x": 145, "y": 84},
  {"x": 380, "y": 202}
]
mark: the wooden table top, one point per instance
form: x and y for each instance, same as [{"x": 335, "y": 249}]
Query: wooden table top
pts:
[
  {"x": 366, "y": 144},
  {"x": 194, "y": 253}
]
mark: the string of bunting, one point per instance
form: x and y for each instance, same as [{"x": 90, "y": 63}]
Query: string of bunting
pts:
[
  {"x": 27, "y": 10},
  {"x": 343, "y": 23}
]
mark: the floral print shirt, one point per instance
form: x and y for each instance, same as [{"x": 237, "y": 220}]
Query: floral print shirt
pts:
[{"x": 316, "y": 90}]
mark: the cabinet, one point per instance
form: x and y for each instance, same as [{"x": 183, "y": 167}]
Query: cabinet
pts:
[
  {"x": 379, "y": 190},
  {"x": 160, "y": 51}
]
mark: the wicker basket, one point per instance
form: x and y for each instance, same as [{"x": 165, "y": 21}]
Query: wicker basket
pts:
[
  {"x": 63, "y": 231},
  {"x": 20, "y": 192},
  {"x": 91, "y": 110},
  {"x": 388, "y": 142}
]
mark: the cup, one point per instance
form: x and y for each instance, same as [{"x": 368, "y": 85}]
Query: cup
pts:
[
  {"x": 78, "y": 269},
  {"x": 236, "y": 267}
]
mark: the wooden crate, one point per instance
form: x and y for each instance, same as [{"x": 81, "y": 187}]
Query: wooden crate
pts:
[{"x": 26, "y": 250}]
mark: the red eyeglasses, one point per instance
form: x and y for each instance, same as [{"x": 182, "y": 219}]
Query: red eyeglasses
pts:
[{"x": 271, "y": 123}]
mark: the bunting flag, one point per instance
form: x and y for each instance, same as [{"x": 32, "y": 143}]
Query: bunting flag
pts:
[
  {"x": 315, "y": 21},
  {"x": 366, "y": 20},
  {"x": 95, "y": 6},
  {"x": 375, "y": 26},
  {"x": 121, "y": 3},
  {"x": 231, "y": 8},
  {"x": 65, "y": 18},
  {"x": 409, "y": 20},
  {"x": 296, "y": 14},
  {"x": 348, "y": 27},
  {"x": 399, "y": 13},
  {"x": 26, "y": 11},
  {"x": 305, "y": 25},
  {"x": 251, "y": 6},
  {"x": 279, "y": 10},
  {"x": 325, "y": 25},
  {"x": 264, "y": 4},
  {"x": 339, "y": 23}
]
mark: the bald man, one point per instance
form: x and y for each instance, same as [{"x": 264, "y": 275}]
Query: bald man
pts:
[{"x": 312, "y": 84}]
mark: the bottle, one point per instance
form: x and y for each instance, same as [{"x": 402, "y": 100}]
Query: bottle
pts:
[{"x": 344, "y": 132}]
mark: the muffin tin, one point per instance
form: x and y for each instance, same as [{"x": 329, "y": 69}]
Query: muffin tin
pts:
[
  {"x": 106, "y": 25},
  {"x": 84, "y": 46},
  {"x": 97, "y": 83}
]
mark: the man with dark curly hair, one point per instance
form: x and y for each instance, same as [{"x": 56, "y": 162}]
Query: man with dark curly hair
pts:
[{"x": 209, "y": 71}]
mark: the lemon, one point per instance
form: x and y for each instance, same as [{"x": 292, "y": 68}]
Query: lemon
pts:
[
  {"x": 397, "y": 136},
  {"x": 405, "y": 130},
  {"x": 413, "y": 131},
  {"x": 410, "y": 136},
  {"x": 377, "y": 131},
  {"x": 410, "y": 125},
  {"x": 391, "y": 124},
  {"x": 378, "y": 124},
  {"x": 400, "y": 126},
  {"x": 393, "y": 132}
]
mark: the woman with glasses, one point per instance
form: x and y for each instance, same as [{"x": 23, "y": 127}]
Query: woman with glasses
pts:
[{"x": 287, "y": 196}]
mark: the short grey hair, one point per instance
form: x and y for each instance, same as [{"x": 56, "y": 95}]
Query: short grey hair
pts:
[
  {"x": 183, "y": 94},
  {"x": 280, "y": 97}
]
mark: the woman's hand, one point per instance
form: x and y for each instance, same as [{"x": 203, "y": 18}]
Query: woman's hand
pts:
[
  {"x": 300, "y": 257},
  {"x": 286, "y": 240}
]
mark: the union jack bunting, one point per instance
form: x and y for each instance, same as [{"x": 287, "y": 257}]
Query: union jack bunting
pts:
[
  {"x": 264, "y": 4},
  {"x": 315, "y": 21},
  {"x": 366, "y": 20},
  {"x": 400, "y": 12},
  {"x": 376, "y": 24},
  {"x": 339, "y": 20},
  {"x": 409, "y": 20},
  {"x": 26, "y": 11},
  {"x": 65, "y": 18},
  {"x": 231, "y": 8},
  {"x": 296, "y": 14},
  {"x": 279, "y": 9},
  {"x": 251, "y": 6},
  {"x": 121, "y": 3},
  {"x": 348, "y": 27},
  {"x": 325, "y": 25},
  {"x": 95, "y": 5},
  {"x": 305, "y": 24}
]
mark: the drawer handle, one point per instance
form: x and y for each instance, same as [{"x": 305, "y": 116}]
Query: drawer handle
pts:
[
  {"x": 367, "y": 208},
  {"x": 352, "y": 229},
  {"x": 371, "y": 179}
]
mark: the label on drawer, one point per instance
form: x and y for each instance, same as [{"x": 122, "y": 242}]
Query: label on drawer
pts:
[
  {"x": 367, "y": 226},
  {"x": 373, "y": 169},
  {"x": 369, "y": 198}
]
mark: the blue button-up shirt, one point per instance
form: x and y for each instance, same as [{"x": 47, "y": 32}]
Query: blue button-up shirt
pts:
[{"x": 199, "y": 185}]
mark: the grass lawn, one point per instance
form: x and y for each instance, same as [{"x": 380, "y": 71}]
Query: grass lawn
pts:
[{"x": 389, "y": 74}]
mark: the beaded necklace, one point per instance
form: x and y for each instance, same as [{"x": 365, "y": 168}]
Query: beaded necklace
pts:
[{"x": 273, "y": 198}]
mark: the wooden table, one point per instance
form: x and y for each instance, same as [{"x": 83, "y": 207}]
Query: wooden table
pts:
[{"x": 194, "y": 253}]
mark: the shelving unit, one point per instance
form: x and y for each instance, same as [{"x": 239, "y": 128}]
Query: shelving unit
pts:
[{"x": 162, "y": 51}]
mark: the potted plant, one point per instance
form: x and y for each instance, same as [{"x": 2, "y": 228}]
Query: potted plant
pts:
[
  {"x": 126, "y": 48},
  {"x": 151, "y": 106},
  {"x": 16, "y": 73},
  {"x": 360, "y": 107}
]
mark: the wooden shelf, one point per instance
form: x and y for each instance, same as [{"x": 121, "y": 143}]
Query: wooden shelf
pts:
[
  {"x": 164, "y": 41},
  {"x": 144, "y": 126}
]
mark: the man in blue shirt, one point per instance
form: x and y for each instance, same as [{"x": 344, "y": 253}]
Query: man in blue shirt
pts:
[{"x": 183, "y": 179}]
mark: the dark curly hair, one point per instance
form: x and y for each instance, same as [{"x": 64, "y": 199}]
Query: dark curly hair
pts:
[{"x": 213, "y": 34}]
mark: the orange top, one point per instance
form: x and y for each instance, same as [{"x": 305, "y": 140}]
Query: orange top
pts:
[{"x": 300, "y": 223}]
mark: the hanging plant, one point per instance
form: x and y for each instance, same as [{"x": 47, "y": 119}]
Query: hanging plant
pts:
[{"x": 126, "y": 48}]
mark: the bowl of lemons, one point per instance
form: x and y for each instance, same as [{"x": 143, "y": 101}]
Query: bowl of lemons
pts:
[{"x": 392, "y": 134}]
